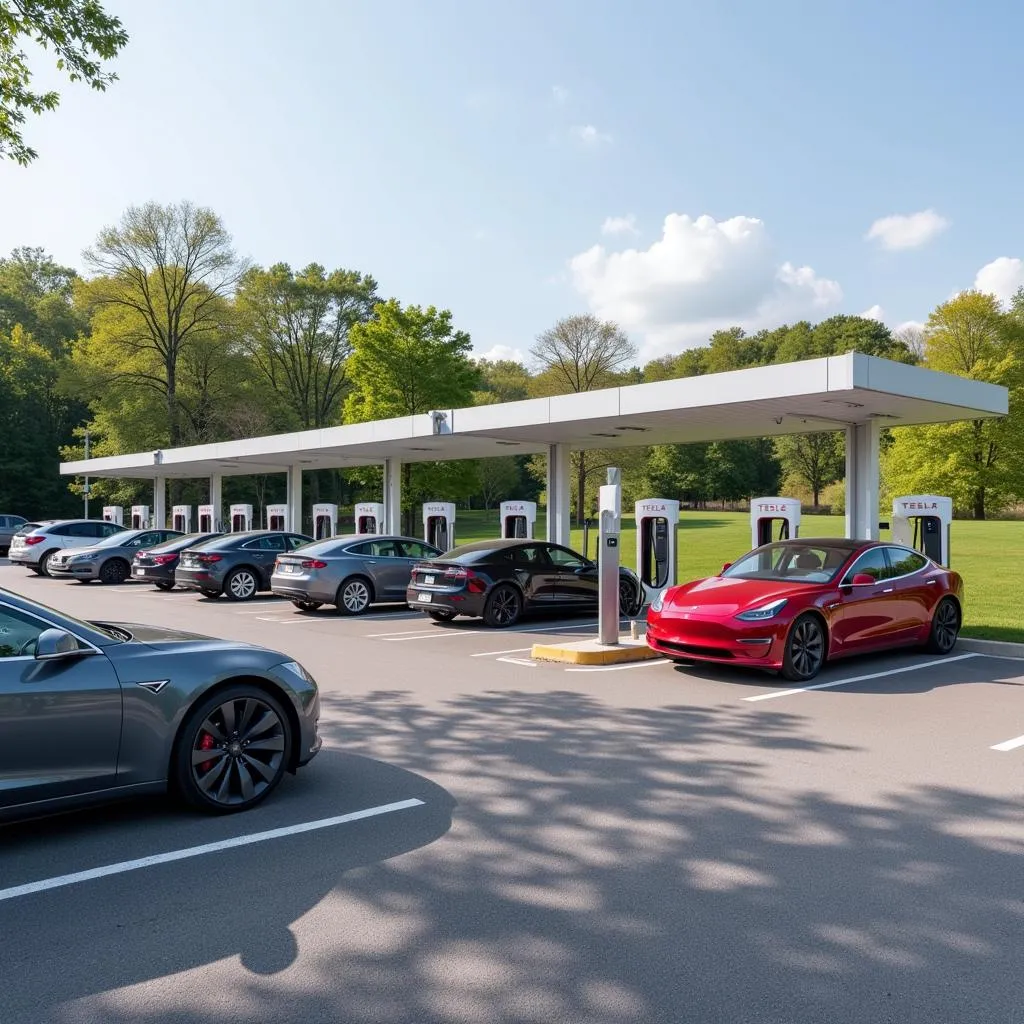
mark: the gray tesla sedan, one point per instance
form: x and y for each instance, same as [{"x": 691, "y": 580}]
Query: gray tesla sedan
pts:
[
  {"x": 349, "y": 572},
  {"x": 109, "y": 560},
  {"x": 92, "y": 711}
]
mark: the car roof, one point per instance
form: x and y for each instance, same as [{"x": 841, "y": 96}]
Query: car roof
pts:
[{"x": 843, "y": 543}]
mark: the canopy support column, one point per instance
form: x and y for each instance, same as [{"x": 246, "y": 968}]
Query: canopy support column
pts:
[
  {"x": 294, "y": 499},
  {"x": 862, "y": 480},
  {"x": 217, "y": 501},
  {"x": 558, "y": 522},
  {"x": 392, "y": 496},
  {"x": 159, "y": 503}
]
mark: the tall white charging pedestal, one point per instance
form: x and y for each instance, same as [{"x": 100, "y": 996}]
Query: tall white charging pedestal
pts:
[
  {"x": 610, "y": 516},
  {"x": 277, "y": 517},
  {"x": 439, "y": 524},
  {"x": 370, "y": 517},
  {"x": 140, "y": 517},
  {"x": 113, "y": 514},
  {"x": 773, "y": 519},
  {"x": 923, "y": 521},
  {"x": 207, "y": 519},
  {"x": 241, "y": 518},
  {"x": 657, "y": 560},
  {"x": 325, "y": 521},
  {"x": 517, "y": 519},
  {"x": 181, "y": 518}
]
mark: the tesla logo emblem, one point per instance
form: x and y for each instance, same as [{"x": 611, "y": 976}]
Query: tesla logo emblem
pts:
[
  {"x": 155, "y": 686},
  {"x": 436, "y": 510},
  {"x": 515, "y": 508},
  {"x": 772, "y": 508},
  {"x": 653, "y": 508},
  {"x": 920, "y": 504}
]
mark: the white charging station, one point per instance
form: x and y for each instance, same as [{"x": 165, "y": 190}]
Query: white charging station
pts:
[
  {"x": 325, "y": 520},
  {"x": 277, "y": 517},
  {"x": 181, "y": 518},
  {"x": 923, "y": 522},
  {"x": 140, "y": 517},
  {"x": 439, "y": 524},
  {"x": 241, "y": 518},
  {"x": 207, "y": 519},
  {"x": 657, "y": 559},
  {"x": 369, "y": 516},
  {"x": 610, "y": 512},
  {"x": 773, "y": 518},
  {"x": 517, "y": 519},
  {"x": 113, "y": 514}
]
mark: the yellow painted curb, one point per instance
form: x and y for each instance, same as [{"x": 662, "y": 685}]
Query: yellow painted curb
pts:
[{"x": 596, "y": 655}]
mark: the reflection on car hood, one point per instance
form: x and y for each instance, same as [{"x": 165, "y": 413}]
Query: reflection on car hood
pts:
[{"x": 720, "y": 596}]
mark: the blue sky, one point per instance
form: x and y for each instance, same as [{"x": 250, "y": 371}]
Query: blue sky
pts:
[{"x": 468, "y": 155}]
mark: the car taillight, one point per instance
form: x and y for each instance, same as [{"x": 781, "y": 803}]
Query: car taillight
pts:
[
  {"x": 163, "y": 559},
  {"x": 34, "y": 540},
  {"x": 474, "y": 584},
  {"x": 313, "y": 563},
  {"x": 207, "y": 559},
  {"x": 456, "y": 572}
]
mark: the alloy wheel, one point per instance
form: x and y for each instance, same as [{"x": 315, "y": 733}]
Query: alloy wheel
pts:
[
  {"x": 505, "y": 608},
  {"x": 238, "y": 751},
  {"x": 807, "y": 647},
  {"x": 946, "y": 627},
  {"x": 242, "y": 585},
  {"x": 355, "y": 596},
  {"x": 627, "y": 599},
  {"x": 114, "y": 571}
]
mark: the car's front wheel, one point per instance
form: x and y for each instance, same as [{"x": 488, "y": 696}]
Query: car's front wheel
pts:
[
  {"x": 233, "y": 750},
  {"x": 805, "y": 649},
  {"x": 115, "y": 570},
  {"x": 629, "y": 601},
  {"x": 945, "y": 627}
]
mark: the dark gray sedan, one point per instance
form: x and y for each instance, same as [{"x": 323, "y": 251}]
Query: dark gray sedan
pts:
[
  {"x": 94, "y": 710},
  {"x": 349, "y": 572},
  {"x": 109, "y": 560}
]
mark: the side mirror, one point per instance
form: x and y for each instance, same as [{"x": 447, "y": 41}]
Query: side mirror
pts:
[
  {"x": 727, "y": 566},
  {"x": 54, "y": 644},
  {"x": 863, "y": 579}
]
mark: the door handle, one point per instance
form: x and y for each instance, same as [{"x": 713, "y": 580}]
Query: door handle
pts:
[
  {"x": 371, "y": 561},
  {"x": 931, "y": 583},
  {"x": 833, "y": 604},
  {"x": 888, "y": 590}
]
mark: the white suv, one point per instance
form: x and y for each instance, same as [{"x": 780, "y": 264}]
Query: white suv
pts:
[{"x": 36, "y": 543}]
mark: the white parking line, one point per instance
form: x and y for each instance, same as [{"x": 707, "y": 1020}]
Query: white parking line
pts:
[
  {"x": 511, "y": 650},
  {"x": 935, "y": 663},
  {"x": 619, "y": 668},
  {"x": 402, "y": 632},
  {"x": 1009, "y": 744},
  {"x": 432, "y": 636},
  {"x": 280, "y": 622},
  {"x": 519, "y": 661},
  {"x": 197, "y": 851}
]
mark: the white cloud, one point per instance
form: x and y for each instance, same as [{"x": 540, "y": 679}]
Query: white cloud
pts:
[
  {"x": 907, "y": 230},
  {"x": 497, "y": 352},
  {"x": 589, "y": 135},
  {"x": 619, "y": 225},
  {"x": 700, "y": 276},
  {"x": 908, "y": 325},
  {"x": 1001, "y": 278},
  {"x": 874, "y": 313},
  {"x": 559, "y": 94}
]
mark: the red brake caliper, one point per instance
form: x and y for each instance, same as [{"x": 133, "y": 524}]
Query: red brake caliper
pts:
[{"x": 206, "y": 742}]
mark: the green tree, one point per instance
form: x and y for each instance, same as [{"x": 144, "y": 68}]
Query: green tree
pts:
[
  {"x": 816, "y": 459},
  {"x": 80, "y": 34},
  {"x": 501, "y": 380},
  {"x": 38, "y": 294},
  {"x": 296, "y": 328},
  {"x": 499, "y": 478}
]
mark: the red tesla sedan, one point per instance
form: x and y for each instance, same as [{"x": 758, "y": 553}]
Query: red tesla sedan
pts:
[{"x": 792, "y": 605}]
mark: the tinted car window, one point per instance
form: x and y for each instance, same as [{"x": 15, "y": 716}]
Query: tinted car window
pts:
[
  {"x": 531, "y": 554},
  {"x": 384, "y": 549},
  {"x": 566, "y": 559},
  {"x": 902, "y": 561},
  {"x": 264, "y": 544},
  {"x": 16, "y": 630},
  {"x": 872, "y": 562},
  {"x": 417, "y": 549},
  {"x": 76, "y": 530},
  {"x": 294, "y": 542}
]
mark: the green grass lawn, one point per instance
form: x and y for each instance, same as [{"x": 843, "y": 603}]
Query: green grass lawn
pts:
[{"x": 989, "y": 556}]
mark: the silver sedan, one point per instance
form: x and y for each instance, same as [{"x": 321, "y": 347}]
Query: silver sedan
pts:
[{"x": 350, "y": 573}]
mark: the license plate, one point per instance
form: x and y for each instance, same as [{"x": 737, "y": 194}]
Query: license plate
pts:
[
  {"x": 429, "y": 580},
  {"x": 140, "y": 572},
  {"x": 289, "y": 568},
  {"x": 424, "y": 598}
]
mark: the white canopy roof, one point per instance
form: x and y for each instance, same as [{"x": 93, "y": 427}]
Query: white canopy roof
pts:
[{"x": 789, "y": 398}]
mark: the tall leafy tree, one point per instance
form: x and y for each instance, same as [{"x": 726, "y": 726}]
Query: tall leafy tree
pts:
[
  {"x": 296, "y": 329},
  {"x": 38, "y": 294},
  {"x": 816, "y": 459},
  {"x": 79, "y": 33},
  {"x": 501, "y": 380}
]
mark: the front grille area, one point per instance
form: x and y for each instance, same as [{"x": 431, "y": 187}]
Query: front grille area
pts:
[{"x": 697, "y": 650}]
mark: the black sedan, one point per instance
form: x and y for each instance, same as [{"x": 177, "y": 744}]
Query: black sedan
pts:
[
  {"x": 157, "y": 565},
  {"x": 235, "y": 564},
  {"x": 499, "y": 580},
  {"x": 95, "y": 710}
]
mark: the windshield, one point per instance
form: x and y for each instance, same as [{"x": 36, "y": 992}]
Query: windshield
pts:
[{"x": 790, "y": 563}]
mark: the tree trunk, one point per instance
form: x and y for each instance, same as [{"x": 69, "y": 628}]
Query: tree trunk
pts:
[
  {"x": 407, "y": 526},
  {"x": 581, "y": 490},
  {"x": 815, "y": 492},
  {"x": 979, "y": 503}
]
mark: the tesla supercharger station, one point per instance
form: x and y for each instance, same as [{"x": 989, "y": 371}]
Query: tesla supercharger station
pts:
[
  {"x": 923, "y": 521},
  {"x": 140, "y": 517},
  {"x": 181, "y": 518},
  {"x": 773, "y": 519},
  {"x": 610, "y": 512},
  {"x": 369, "y": 517},
  {"x": 207, "y": 519},
  {"x": 325, "y": 521},
  {"x": 241, "y": 518},
  {"x": 517, "y": 519},
  {"x": 439, "y": 524},
  {"x": 113, "y": 514},
  {"x": 657, "y": 562},
  {"x": 277, "y": 517}
]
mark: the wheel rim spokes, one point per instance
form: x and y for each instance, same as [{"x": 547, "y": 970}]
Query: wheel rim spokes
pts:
[
  {"x": 504, "y": 607},
  {"x": 945, "y": 626},
  {"x": 243, "y": 585},
  {"x": 356, "y": 597},
  {"x": 238, "y": 751},
  {"x": 808, "y": 646}
]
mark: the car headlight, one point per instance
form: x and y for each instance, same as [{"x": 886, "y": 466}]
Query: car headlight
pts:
[
  {"x": 296, "y": 669},
  {"x": 766, "y": 611},
  {"x": 79, "y": 559},
  {"x": 659, "y": 600}
]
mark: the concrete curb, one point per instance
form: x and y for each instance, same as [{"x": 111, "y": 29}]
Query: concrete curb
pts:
[
  {"x": 993, "y": 648},
  {"x": 590, "y": 652}
]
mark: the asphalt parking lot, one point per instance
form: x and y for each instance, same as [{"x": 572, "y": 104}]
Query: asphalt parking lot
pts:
[{"x": 638, "y": 843}]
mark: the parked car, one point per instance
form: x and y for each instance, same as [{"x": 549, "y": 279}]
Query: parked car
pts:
[
  {"x": 499, "y": 580},
  {"x": 118, "y": 709},
  {"x": 350, "y": 573},
  {"x": 792, "y": 605},
  {"x": 157, "y": 565},
  {"x": 109, "y": 561},
  {"x": 237, "y": 565},
  {"x": 9, "y": 526},
  {"x": 35, "y": 544}
]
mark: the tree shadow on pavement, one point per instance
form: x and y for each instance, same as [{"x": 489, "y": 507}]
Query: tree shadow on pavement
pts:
[{"x": 611, "y": 864}]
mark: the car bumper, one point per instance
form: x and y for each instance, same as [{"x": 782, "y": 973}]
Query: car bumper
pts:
[
  {"x": 152, "y": 574},
  {"x": 305, "y": 698},
  {"x": 198, "y": 579},
  {"x": 692, "y": 639},
  {"x": 424, "y": 599},
  {"x": 22, "y": 558},
  {"x": 298, "y": 588},
  {"x": 70, "y": 571}
]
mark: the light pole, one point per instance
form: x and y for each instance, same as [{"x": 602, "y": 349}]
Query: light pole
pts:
[{"x": 85, "y": 490}]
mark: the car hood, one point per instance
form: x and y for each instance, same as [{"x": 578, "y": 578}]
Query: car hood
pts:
[
  {"x": 172, "y": 639},
  {"x": 720, "y": 596},
  {"x": 91, "y": 550}
]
